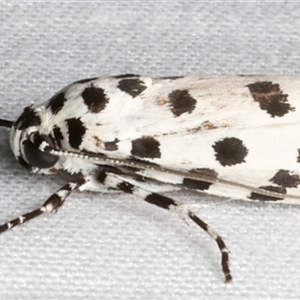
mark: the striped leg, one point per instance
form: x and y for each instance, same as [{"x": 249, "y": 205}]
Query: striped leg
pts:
[
  {"x": 115, "y": 181},
  {"x": 53, "y": 203}
]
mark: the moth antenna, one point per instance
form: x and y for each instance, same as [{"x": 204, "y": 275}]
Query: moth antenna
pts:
[{"x": 6, "y": 123}]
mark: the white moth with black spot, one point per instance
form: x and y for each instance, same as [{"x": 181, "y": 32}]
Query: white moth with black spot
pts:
[{"x": 228, "y": 136}]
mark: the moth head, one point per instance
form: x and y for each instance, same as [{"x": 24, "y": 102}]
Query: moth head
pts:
[{"x": 30, "y": 147}]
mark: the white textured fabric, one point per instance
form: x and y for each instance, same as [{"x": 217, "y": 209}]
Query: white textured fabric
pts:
[{"x": 114, "y": 246}]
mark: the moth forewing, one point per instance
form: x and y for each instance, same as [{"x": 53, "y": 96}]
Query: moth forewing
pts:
[{"x": 228, "y": 136}]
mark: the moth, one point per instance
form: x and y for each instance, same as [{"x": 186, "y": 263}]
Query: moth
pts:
[{"x": 233, "y": 137}]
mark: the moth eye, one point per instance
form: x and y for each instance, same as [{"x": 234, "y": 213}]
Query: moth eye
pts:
[{"x": 37, "y": 158}]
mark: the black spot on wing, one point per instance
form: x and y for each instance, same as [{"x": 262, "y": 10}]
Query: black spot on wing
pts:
[
  {"x": 76, "y": 132},
  {"x": 56, "y": 103},
  {"x": 111, "y": 146},
  {"x": 230, "y": 151},
  {"x": 196, "y": 184},
  {"x": 181, "y": 102},
  {"x": 200, "y": 184},
  {"x": 85, "y": 80},
  {"x": 146, "y": 147},
  {"x": 58, "y": 137},
  {"x": 277, "y": 189},
  {"x": 132, "y": 86},
  {"x": 95, "y": 99},
  {"x": 270, "y": 98},
  {"x": 27, "y": 119},
  {"x": 286, "y": 179}
]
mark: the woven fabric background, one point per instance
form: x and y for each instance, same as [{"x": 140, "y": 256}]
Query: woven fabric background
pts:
[{"x": 114, "y": 246}]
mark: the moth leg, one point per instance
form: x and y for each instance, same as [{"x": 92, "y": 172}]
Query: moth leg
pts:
[
  {"x": 53, "y": 203},
  {"x": 118, "y": 182}
]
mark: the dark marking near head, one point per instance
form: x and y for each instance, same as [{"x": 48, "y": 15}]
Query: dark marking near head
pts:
[
  {"x": 277, "y": 189},
  {"x": 95, "y": 99},
  {"x": 160, "y": 200},
  {"x": 85, "y": 80},
  {"x": 146, "y": 147},
  {"x": 196, "y": 184},
  {"x": 133, "y": 87},
  {"x": 286, "y": 179},
  {"x": 230, "y": 151},
  {"x": 270, "y": 98},
  {"x": 58, "y": 137},
  {"x": 125, "y": 76},
  {"x": 56, "y": 103},
  {"x": 38, "y": 139},
  {"x": 181, "y": 102},
  {"x": 126, "y": 187},
  {"x": 111, "y": 146},
  {"x": 27, "y": 119},
  {"x": 76, "y": 132}
]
